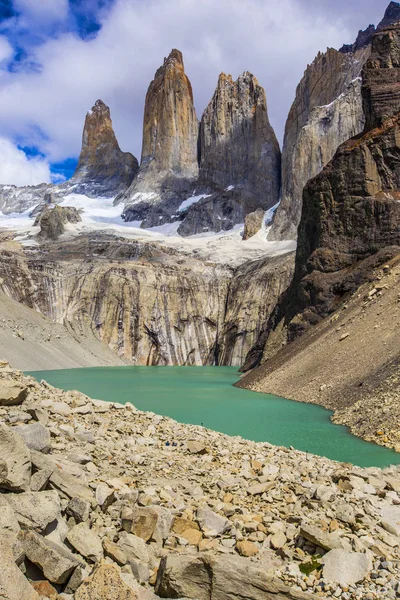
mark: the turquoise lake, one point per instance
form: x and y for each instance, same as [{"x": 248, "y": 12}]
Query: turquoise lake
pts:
[{"x": 205, "y": 396}]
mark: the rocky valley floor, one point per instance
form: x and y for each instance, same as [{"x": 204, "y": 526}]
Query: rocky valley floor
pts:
[{"x": 102, "y": 501}]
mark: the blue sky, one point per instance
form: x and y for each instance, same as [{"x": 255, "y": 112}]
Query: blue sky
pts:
[{"x": 58, "y": 56}]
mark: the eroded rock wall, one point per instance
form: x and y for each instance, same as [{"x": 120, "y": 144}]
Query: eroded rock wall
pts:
[{"x": 146, "y": 305}]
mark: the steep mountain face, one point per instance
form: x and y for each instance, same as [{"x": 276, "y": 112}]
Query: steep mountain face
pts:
[
  {"x": 235, "y": 148},
  {"x": 169, "y": 164},
  {"x": 143, "y": 302},
  {"x": 351, "y": 210},
  {"x": 239, "y": 157},
  {"x": 103, "y": 170},
  {"x": 326, "y": 112}
]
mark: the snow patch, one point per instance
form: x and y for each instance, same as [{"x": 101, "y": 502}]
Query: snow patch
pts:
[{"x": 192, "y": 200}]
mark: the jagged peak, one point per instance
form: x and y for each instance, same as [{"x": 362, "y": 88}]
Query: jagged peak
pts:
[
  {"x": 99, "y": 107},
  {"x": 246, "y": 76},
  {"x": 174, "y": 60},
  {"x": 391, "y": 16}
]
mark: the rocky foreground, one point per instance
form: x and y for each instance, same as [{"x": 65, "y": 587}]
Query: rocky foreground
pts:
[{"x": 102, "y": 501}]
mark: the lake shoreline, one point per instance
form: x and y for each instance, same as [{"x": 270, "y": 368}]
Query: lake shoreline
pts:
[{"x": 224, "y": 408}]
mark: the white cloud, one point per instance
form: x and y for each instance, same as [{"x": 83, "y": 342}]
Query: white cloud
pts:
[
  {"x": 275, "y": 40},
  {"x": 42, "y": 11},
  {"x": 16, "y": 168},
  {"x": 6, "y": 50}
]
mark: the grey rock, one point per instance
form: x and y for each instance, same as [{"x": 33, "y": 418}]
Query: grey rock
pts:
[
  {"x": 56, "y": 562},
  {"x": 12, "y": 393},
  {"x": 86, "y": 542},
  {"x": 205, "y": 577},
  {"x": 212, "y": 524},
  {"x": 133, "y": 547},
  {"x": 13, "y": 584},
  {"x": 345, "y": 513},
  {"x": 105, "y": 496},
  {"x": 8, "y": 519},
  {"x": 78, "y": 509},
  {"x": 35, "y": 509},
  {"x": 15, "y": 461},
  {"x": 327, "y": 541},
  {"x": 391, "y": 519},
  {"x": 345, "y": 568},
  {"x": 70, "y": 485},
  {"x": 40, "y": 479},
  {"x": 35, "y": 436}
]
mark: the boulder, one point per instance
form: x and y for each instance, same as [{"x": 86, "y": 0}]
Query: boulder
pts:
[
  {"x": 15, "y": 461},
  {"x": 86, "y": 542},
  {"x": 181, "y": 524},
  {"x": 391, "y": 519},
  {"x": 345, "y": 568},
  {"x": 253, "y": 223},
  {"x": 141, "y": 521},
  {"x": 105, "y": 496},
  {"x": 133, "y": 547},
  {"x": 55, "y": 561},
  {"x": 114, "y": 552},
  {"x": 35, "y": 509},
  {"x": 206, "y": 577},
  {"x": 35, "y": 436},
  {"x": 196, "y": 447},
  {"x": 105, "y": 583},
  {"x": 317, "y": 537},
  {"x": 79, "y": 509},
  {"x": 8, "y": 520},
  {"x": 164, "y": 523},
  {"x": 210, "y": 523},
  {"x": 13, "y": 584},
  {"x": 246, "y": 548},
  {"x": 70, "y": 486},
  {"x": 12, "y": 393},
  {"x": 260, "y": 488},
  {"x": 45, "y": 590}
]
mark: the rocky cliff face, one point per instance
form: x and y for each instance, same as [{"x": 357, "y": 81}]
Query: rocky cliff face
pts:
[
  {"x": 169, "y": 164},
  {"x": 102, "y": 170},
  {"x": 143, "y": 302},
  {"x": 351, "y": 210},
  {"x": 239, "y": 157},
  {"x": 326, "y": 112}
]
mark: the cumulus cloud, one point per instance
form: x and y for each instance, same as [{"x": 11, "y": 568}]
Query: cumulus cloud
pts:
[
  {"x": 42, "y": 11},
  {"x": 6, "y": 50},
  {"x": 275, "y": 40},
  {"x": 16, "y": 168}
]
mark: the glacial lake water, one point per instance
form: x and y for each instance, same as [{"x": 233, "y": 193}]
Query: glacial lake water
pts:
[{"x": 206, "y": 396}]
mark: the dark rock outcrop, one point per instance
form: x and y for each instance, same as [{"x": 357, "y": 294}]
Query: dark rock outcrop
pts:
[
  {"x": 52, "y": 221},
  {"x": 351, "y": 211},
  {"x": 169, "y": 164}
]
